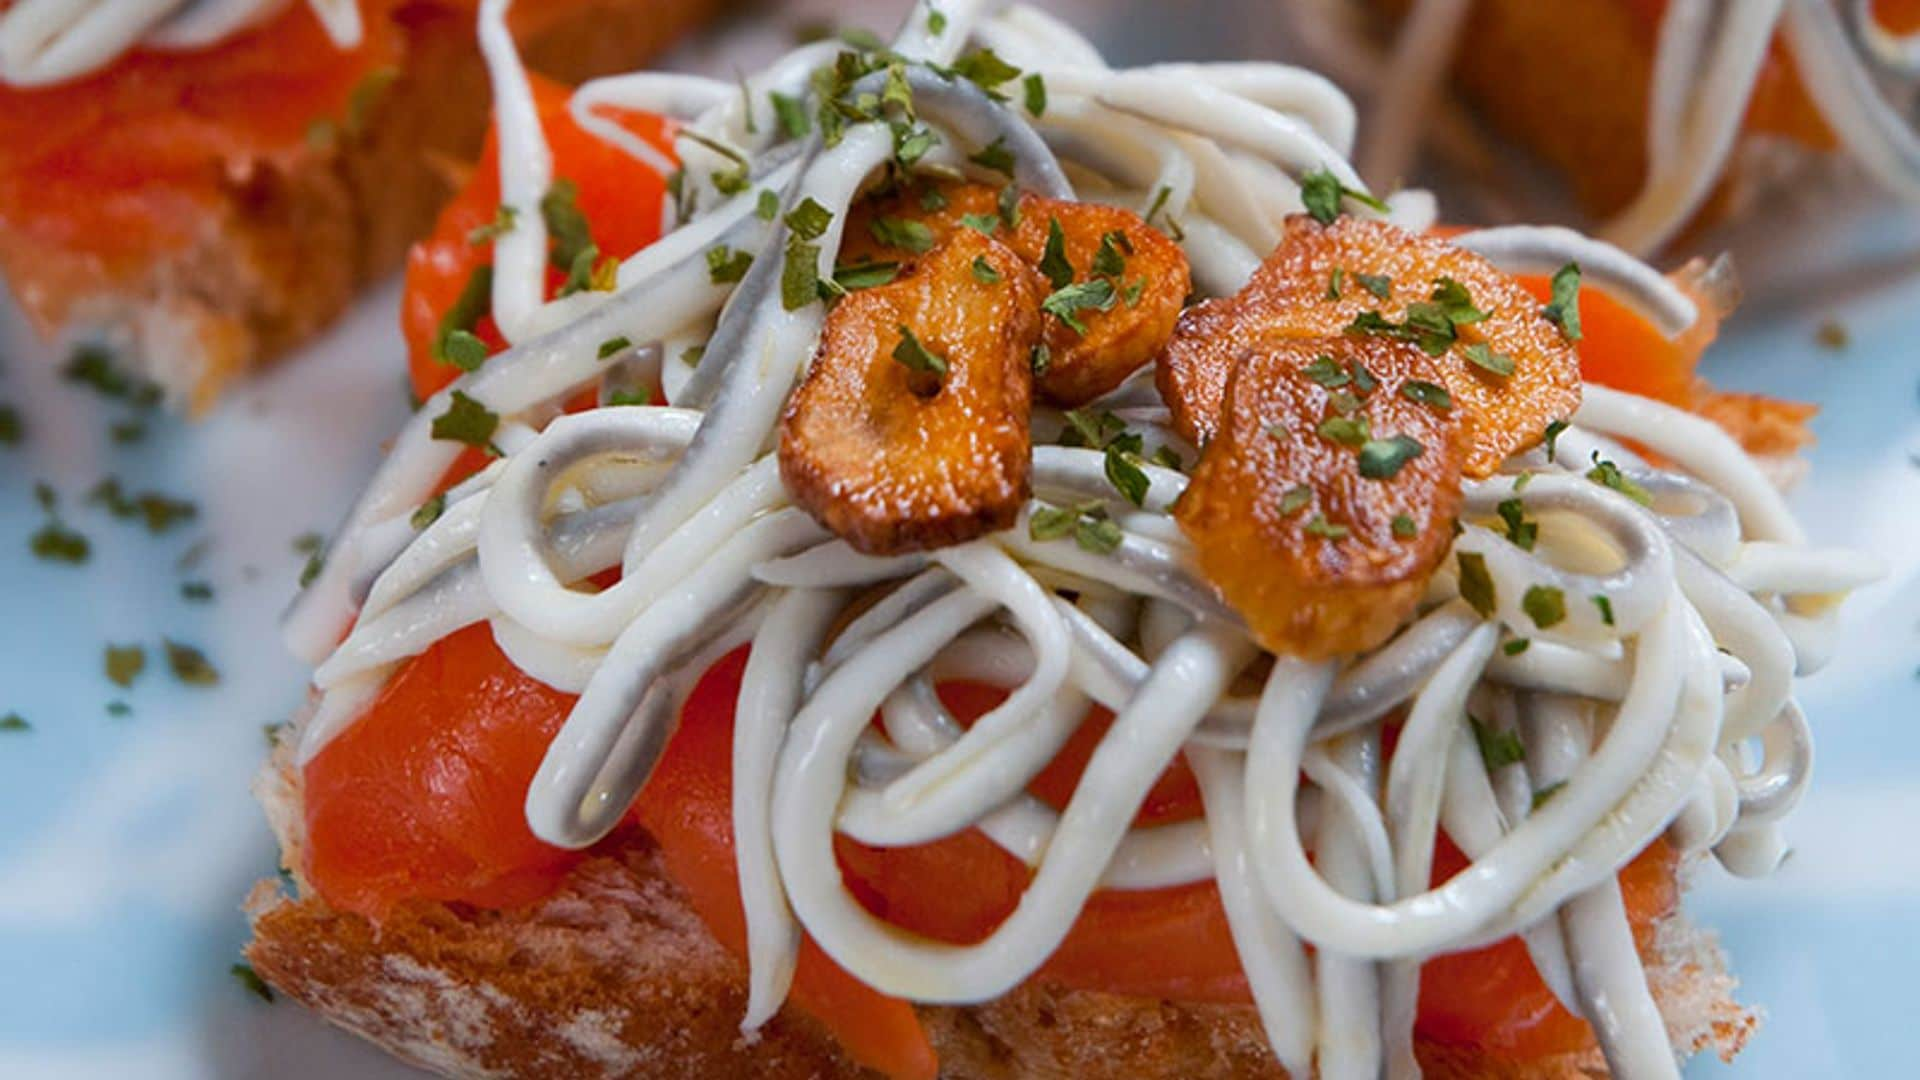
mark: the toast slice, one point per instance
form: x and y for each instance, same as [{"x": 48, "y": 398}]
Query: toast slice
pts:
[
  {"x": 288, "y": 241},
  {"x": 615, "y": 976}
]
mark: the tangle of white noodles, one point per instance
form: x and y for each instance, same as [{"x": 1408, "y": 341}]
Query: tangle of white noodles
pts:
[
  {"x": 1708, "y": 55},
  {"x": 1311, "y": 833}
]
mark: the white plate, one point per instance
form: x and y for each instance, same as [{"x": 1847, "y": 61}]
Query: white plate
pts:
[{"x": 126, "y": 844}]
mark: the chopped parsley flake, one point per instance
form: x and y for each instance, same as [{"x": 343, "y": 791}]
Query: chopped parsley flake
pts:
[
  {"x": 190, "y": 665},
  {"x": 1605, "y": 605},
  {"x": 985, "y": 69},
  {"x": 11, "y": 427},
  {"x": 504, "y": 217},
  {"x": 124, "y": 663},
  {"x": 429, "y": 511},
  {"x": 1563, "y": 309},
  {"x": 1404, "y": 527},
  {"x": 1295, "y": 500},
  {"x": 1110, "y": 260},
  {"x": 800, "y": 274},
  {"x": 1062, "y": 303},
  {"x": 1327, "y": 372},
  {"x": 917, "y": 357},
  {"x": 1092, "y": 430},
  {"x": 1608, "y": 475},
  {"x": 865, "y": 275},
  {"x": 1379, "y": 285},
  {"x": 1172, "y": 227},
  {"x": 911, "y": 143},
  {"x": 251, "y": 981},
  {"x": 1540, "y": 797},
  {"x": 1053, "y": 258},
  {"x": 994, "y": 157},
  {"x": 1382, "y": 459},
  {"x": 936, "y": 22},
  {"x": 1087, "y": 523},
  {"x": 809, "y": 219},
  {"x": 767, "y": 206},
  {"x": 454, "y": 341},
  {"x": 1493, "y": 363},
  {"x": 981, "y": 223},
  {"x": 54, "y": 542},
  {"x": 1516, "y": 646},
  {"x": 614, "y": 346},
  {"x": 1318, "y": 525},
  {"x": 725, "y": 265},
  {"x": 469, "y": 422},
  {"x": 93, "y": 366},
  {"x": 791, "y": 112},
  {"x": 198, "y": 592},
  {"x": 1321, "y": 192},
  {"x": 1040, "y": 359},
  {"x": 567, "y": 227},
  {"x": 1520, "y": 531},
  {"x": 158, "y": 512},
  {"x": 902, "y": 233},
  {"x": 638, "y": 395},
  {"x": 1124, "y": 472},
  {"x": 13, "y": 721},
  {"x": 1349, "y": 431},
  {"x": 1333, "y": 282},
  {"x": 1035, "y": 89},
  {"x": 1552, "y": 436},
  {"x": 1432, "y": 395},
  {"x": 1476, "y": 585},
  {"x": 1497, "y": 748},
  {"x": 984, "y": 272},
  {"x": 1545, "y": 605}
]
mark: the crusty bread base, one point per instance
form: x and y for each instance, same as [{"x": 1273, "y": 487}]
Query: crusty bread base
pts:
[
  {"x": 614, "y": 975},
  {"x": 290, "y": 244}
]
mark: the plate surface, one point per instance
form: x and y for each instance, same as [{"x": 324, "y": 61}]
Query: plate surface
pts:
[{"x": 126, "y": 843}]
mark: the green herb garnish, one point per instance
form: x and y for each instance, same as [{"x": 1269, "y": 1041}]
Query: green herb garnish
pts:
[
  {"x": 1476, "y": 585},
  {"x": 1053, "y": 258},
  {"x": 1321, "y": 192},
  {"x": 902, "y": 233},
  {"x": 1432, "y": 395},
  {"x": 1318, "y": 525},
  {"x": 1608, "y": 475},
  {"x": 1520, "y": 531},
  {"x": 429, "y": 512},
  {"x": 124, "y": 663},
  {"x": 1497, "y": 748},
  {"x": 251, "y": 980},
  {"x": 1062, "y": 303},
  {"x": 1545, "y": 605},
  {"x": 1563, "y": 309},
  {"x": 1381, "y": 459},
  {"x": 469, "y": 422},
  {"x": 504, "y": 217},
  {"x": 189, "y": 664},
  {"x": 917, "y": 357},
  {"x": 994, "y": 157},
  {"x": 1036, "y": 94}
]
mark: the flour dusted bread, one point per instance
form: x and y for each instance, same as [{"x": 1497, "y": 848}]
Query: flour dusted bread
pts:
[{"x": 289, "y": 244}]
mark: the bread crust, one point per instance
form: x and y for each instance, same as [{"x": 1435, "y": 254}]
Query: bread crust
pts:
[
  {"x": 289, "y": 244},
  {"x": 615, "y": 976}
]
